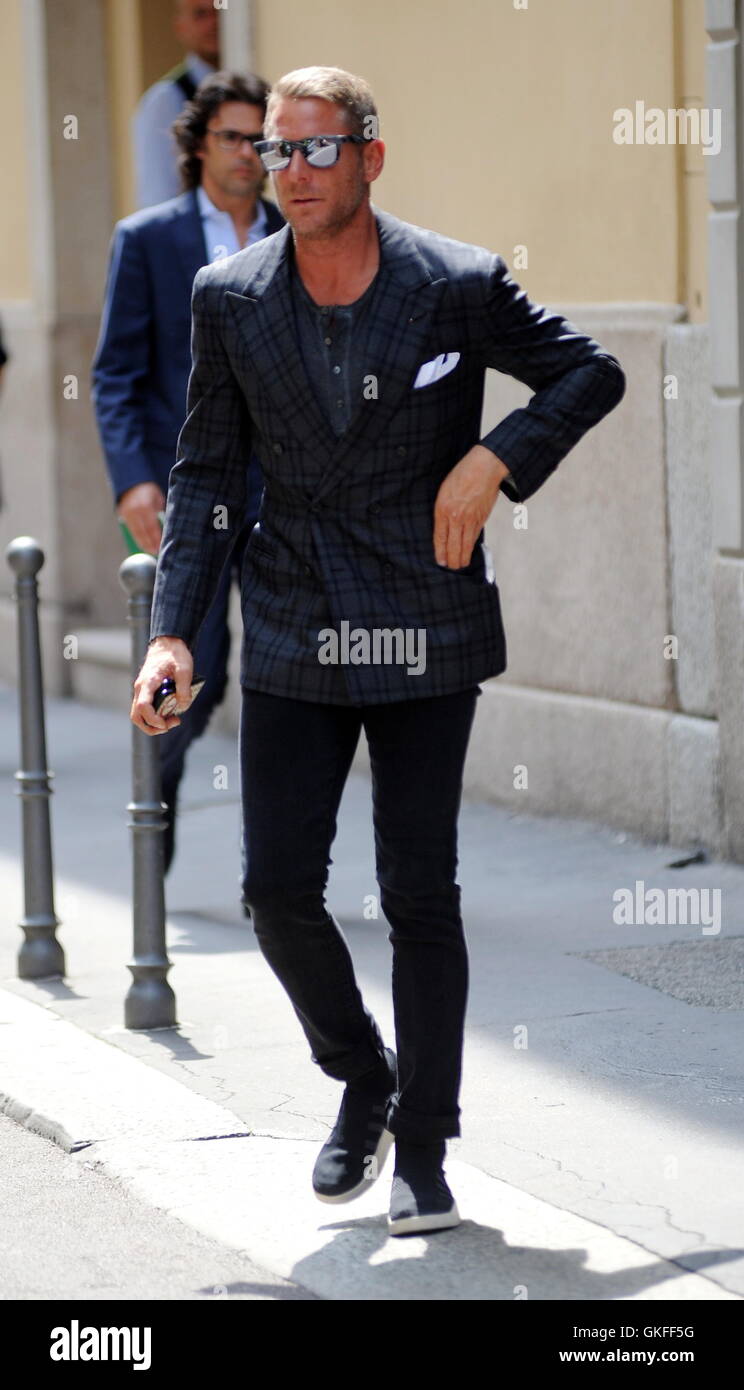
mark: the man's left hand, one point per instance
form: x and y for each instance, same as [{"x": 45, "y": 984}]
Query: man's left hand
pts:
[{"x": 464, "y": 503}]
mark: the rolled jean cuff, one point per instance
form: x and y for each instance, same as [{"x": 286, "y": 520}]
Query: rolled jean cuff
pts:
[{"x": 408, "y": 1124}]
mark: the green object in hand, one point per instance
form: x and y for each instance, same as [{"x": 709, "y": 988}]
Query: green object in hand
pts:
[{"x": 132, "y": 547}]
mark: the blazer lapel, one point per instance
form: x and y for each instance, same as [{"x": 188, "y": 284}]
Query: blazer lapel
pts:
[
  {"x": 404, "y": 302},
  {"x": 400, "y": 317},
  {"x": 274, "y": 218},
  {"x": 188, "y": 235},
  {"x": 266, "y": 323}
]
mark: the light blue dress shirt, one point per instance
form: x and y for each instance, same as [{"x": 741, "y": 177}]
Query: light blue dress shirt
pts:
[
  {"x": 219, "y": 229},
  {"x": 155, "y": 150}
]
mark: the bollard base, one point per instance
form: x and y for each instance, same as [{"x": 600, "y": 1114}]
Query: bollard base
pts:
[
  {"x": 41, "y": 956},
  {"x": 150, "y": 1003}
]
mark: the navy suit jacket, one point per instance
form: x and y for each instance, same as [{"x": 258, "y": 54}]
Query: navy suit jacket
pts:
[
  {"x": 142, "y": 361},
  {"x": 345, "y": 527}
]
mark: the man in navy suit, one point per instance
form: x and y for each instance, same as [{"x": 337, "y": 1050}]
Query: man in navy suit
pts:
[
  {"x": 351, "y": 349},
  {"x": 142, "y": 361}
]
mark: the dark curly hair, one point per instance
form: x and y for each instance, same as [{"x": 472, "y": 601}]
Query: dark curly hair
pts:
[{"x": 190, "y": 126}]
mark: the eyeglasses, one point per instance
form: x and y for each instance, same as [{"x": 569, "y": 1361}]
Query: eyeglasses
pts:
[
  {"x": 233, "y": 139},
  {"x": 319, "y": 150}
]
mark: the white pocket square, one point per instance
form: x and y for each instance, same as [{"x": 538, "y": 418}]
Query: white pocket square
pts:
[{"x": 438, "y": 367}]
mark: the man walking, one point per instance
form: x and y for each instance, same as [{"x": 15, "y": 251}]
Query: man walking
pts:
[
  {"x": 141, "y": 366},
  {"x": 350, "y": 350}
]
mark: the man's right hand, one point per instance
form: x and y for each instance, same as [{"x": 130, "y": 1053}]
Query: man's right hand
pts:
[
  {"x": 138, "y": 508},
  {"x": 167, "y": 656}
]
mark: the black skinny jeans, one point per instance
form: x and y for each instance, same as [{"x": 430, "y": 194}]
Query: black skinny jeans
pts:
[{"x": 295, "y": 757}]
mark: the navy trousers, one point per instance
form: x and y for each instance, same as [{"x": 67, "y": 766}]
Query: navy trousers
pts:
[
  {"x": 295, "y": 757},
  {"x": 211, "y": 655}
]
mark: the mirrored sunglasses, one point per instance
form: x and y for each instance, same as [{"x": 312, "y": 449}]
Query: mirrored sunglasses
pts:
[{"x": 319, "y": 150}]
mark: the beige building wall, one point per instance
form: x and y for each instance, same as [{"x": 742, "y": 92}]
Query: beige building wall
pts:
[
  {"x": 690, "y": 45},
  {"x": 140, "y": 47},
  {"x": 125, "y": 85},
  {"x": 600, "y": 222},
  {"x": 650, "y": 215},
  {"x": 15, "y": 258},
  {"x": 499, "y": 126}
]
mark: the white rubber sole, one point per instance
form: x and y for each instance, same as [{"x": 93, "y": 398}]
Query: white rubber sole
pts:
[
  {"x": 384, "y": 1146},
  {"x": 438, "y": 1221}
]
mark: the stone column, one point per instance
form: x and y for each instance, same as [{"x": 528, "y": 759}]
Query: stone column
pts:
[
  {"x": 726, "y": 260},
  {"x": 236, "y": 35},
  {"x": 81, "y": 189},
  {"x": 61, "y": 492}
]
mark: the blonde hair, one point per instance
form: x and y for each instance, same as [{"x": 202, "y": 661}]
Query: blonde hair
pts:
[{"x": 352, "y": 93}]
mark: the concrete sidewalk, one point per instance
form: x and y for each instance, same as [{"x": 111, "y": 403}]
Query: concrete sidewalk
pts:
[{"x": 601, "y": 1152}]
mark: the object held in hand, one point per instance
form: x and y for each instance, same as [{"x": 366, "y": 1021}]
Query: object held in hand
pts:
[{"x": 164, "y": 701}]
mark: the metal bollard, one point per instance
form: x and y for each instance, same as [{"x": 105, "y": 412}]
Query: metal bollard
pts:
[
  {"x": 150, "y": 1001},
  {"x": 41, "y": 955}
]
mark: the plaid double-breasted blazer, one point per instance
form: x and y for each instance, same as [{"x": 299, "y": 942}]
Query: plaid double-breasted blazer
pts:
[{"x": 345, "y": 531}]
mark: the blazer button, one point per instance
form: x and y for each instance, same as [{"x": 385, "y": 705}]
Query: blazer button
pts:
[
  {"x": 401, "y": 451},
  {"x": 387, "y": 567},
  {"x": 308, "y": 569},
  {"x": 278, "y": 448},
  {"x": 374, "y": 508}
]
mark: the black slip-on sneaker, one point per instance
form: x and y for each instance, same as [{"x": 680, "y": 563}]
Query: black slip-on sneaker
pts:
[
  {"x": 420, "y": 1199},
  {"x": 354, "y": 1154}
]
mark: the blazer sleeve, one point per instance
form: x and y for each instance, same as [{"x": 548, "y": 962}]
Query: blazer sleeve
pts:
[
  {"x": 575, "y": 382},
  {"x": 205, "y": 508},
  {"x": 121, "y": 364}
]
